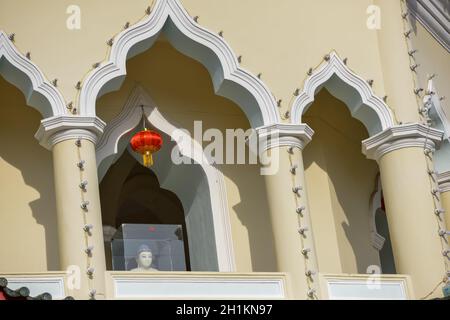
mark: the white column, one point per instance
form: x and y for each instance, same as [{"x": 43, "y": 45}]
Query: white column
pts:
[
  {"x": 288, "y": 205},
  {"x": 404, "y": 154},
  {"x": 72, "y": 141}
]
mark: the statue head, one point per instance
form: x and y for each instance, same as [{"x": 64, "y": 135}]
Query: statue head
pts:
[{"x": 144, "y": 257}]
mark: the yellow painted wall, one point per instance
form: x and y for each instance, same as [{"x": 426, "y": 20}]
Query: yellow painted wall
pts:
[
  {"x": 183, "y": 92},
  {"x": 28, "y": 232},
  {"x": 340, "y": 183}
]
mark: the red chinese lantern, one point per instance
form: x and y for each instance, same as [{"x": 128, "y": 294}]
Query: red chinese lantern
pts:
[{"x": 146, "y": 142}]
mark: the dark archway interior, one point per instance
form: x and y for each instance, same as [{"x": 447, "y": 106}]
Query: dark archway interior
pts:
[{"x": 130, "y": 193}]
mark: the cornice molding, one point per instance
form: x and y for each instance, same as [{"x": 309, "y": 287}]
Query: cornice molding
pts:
[
  {"x": 444, "y": 181},
  {"x": 37, "y": 87},
  {"x": 169, "y": 16},
  {"x": 413, "y": 135},
  {"x": 333, "y": 65},
  {"x": 60, "y": 128},
  {"x": 284, "y": 135},
  {"x": 435, "y": 17}
]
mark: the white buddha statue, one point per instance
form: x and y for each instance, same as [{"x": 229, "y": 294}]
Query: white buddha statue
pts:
[{"x": 144, "y": 260}]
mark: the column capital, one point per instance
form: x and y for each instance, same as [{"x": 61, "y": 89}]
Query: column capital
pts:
[
  {"x": 444, "y": 181},
  {"x": 284, "y": 135},
  {"x": 60, "y": 128},
  {"x": 411, "y": 135}
]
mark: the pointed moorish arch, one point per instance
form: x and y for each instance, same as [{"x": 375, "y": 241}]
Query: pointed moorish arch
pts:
[
  {"x": 205, "y": 202},
  {"x": 183, "y": 32},
  {"x": 26, "y": 76},
  {"x": 348, "y": 87}
]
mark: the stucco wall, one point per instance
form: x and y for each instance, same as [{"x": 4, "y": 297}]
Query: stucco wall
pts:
[{"x": 27, "y": 205}]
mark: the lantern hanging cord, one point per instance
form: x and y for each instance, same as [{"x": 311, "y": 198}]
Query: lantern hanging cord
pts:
[{"x": 143, "y": 117}]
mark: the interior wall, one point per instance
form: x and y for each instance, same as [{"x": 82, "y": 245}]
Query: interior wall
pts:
[
  {"x": 183, "y": 92},
  {"x": 27, "y": 202},
  {"x": 340, "y": 182}
]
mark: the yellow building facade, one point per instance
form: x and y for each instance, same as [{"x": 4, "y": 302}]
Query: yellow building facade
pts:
[{"x": 346, "y": 98}]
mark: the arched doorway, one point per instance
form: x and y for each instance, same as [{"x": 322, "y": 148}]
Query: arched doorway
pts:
[
  {"x": 339, "y": 177},
  {"x": 139, "y": 199},
  {"x": 168, "y": 23},
  {"x": 198, "y": 184}
]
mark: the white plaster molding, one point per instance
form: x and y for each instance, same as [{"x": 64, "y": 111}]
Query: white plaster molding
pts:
[
  {"x": 168, "y": 16},
  {"x": 413, "y": 135},
  {"x": 434, "y": 15},
  {"x": 444, "y": 181},
  {"x": 127, "y": 120},
  {"x": 195, "y": 285},
  {"x": 362, "y": 102},
  {"x": 25, "y": 75},
  {"x": 366, "y": 287},
  {"x": 284, "y": 135},
  {"x": 60, "y": 128}
]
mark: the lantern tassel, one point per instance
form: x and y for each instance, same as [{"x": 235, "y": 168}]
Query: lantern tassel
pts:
[{"x": 147, "y": 159}]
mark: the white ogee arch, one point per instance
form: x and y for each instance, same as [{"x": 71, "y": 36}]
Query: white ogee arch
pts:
[
  {"x": 354, "y": 91},
  {"x": 170, "y": 18}
]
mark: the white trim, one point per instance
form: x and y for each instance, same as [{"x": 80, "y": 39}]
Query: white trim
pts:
[
  {"x": 444, "y": 181},
  {"x": 37, "y": 87},
  {"x": 127, "y": 120},
  {"x": 371, "y": 294},
  {"x": 186, "y": 35},
  {"x": 413, "y": 135},
  {"x": 284, "y": 135},
  {"x": 195, "y": 285},
  {"x": 368, "y": 108},
  {"x": 60, "y": 128}
]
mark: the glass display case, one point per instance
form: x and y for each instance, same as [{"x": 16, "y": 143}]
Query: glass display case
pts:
[{"x": 148, "y": 247}]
